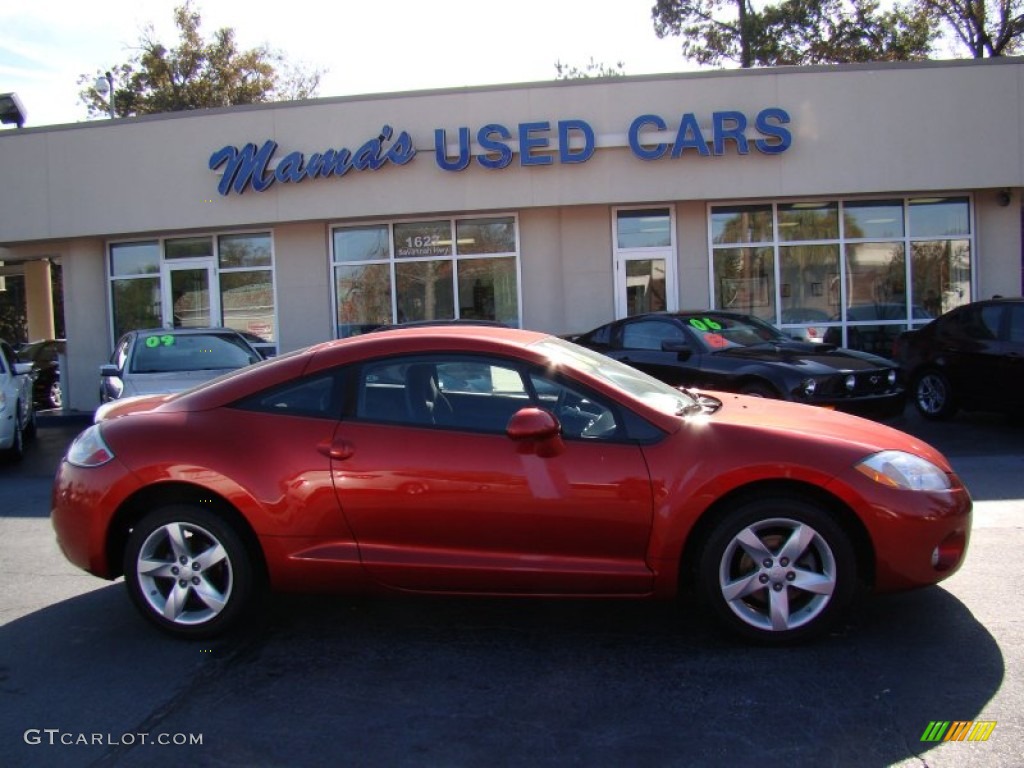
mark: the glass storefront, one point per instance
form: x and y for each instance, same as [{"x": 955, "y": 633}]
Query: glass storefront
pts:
[
  {"x": 431, "y": 269},
  {"x": 838, "y": 271},
  {"x": 196, "y": 281}
]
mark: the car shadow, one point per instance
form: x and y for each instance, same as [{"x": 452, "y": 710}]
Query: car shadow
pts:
[{"x": 437, "y": 681}]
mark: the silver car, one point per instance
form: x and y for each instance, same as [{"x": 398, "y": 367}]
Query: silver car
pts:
[{"x": 167, "y": 360}]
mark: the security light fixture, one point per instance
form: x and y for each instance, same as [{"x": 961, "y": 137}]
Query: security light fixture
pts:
[{"x": 11, "y": 109}]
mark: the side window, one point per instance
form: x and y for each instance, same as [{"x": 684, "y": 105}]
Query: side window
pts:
[
  {"x": 581, "y": 415},
  {"x": 1017, "y": 324},
  {"x": 648, "y": 334},
  {"x": 450, "y": 391},
  {"x": 317, "y": 396}
]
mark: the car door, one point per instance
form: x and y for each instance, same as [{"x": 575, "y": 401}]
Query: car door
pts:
[
  {"x": 1011, "y": 358},
  {"x": 660, "y": 347},
  {"x": 440, "y": 498},
  {"x": 970, "y": 345}
]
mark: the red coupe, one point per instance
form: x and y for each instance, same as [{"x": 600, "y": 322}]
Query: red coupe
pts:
[{"x": 496, "y": 461}]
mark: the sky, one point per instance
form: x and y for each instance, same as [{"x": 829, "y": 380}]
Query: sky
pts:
[{"x": 365, "y": 47}]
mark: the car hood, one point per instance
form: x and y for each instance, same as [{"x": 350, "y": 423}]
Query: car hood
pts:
[
  {"x": 833, "y": 428},
  {"x": 136, "y": 384},
  {"x": 808, "y": 357}
]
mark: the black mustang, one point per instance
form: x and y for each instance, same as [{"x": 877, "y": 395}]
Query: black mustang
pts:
[{"x": 734, "y": 352}]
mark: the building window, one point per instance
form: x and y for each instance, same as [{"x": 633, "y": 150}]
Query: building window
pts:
[
  {"x": 839, "y": 270},
  {"x": 135, "y": 295},
  {"x": 644, "y": 260},
  {"x": 431, "y": 269},
  {"x": 171, "y": 281},
  {"x": 246, "y": 277}
]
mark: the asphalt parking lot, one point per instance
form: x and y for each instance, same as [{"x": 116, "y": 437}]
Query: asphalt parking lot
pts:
[{"x": 432, "y": 682}]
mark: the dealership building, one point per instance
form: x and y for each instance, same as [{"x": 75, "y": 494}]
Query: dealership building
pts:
[{"x": 858, "y": 198}]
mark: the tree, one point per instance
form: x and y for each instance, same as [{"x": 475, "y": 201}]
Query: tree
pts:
[
  {"x": 794, "y": 31},
  {"x": 984, "y": 27},
  {"x": 590, "y": 69},
  {"x": 197, "y": 74}
]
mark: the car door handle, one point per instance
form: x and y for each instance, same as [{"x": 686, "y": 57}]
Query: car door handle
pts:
[{"x": 338, "y": 450}]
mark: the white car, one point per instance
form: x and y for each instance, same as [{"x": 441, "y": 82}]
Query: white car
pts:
[
  {"x": 163, "y": 361},
  {"x": 17, "y": 416}
]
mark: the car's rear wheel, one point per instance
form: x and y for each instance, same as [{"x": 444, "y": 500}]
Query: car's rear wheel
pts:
[
  {"x": 778, "y": 570},
  {"x": 189, "y": 572},
  {"x": 933, "y": 395},
  {"x": 54, "y": 395}
]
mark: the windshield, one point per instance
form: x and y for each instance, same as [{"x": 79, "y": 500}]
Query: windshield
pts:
[
  {"x": 654, "y": 393},
  {"x": 717, "y": 331},
  {"x": 171, "y": 353}
]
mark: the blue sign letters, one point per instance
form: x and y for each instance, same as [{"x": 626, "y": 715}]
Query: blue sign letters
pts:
[{"x": 536, "y": 143}]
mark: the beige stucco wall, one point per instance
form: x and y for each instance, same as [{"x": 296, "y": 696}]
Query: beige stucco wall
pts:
[{"x": 856, "y": 129}]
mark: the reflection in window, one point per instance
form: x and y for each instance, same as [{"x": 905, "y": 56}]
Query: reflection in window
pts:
[
  {"x": 809, "y": 221},
  {"x": 745, "y": 282},
  {"x": 876, "y": 277},
  {"x": 136, "y": 304},
  {"x": 427, "y": 269},
  {"x": 188, "y": 248},
  {"x": 244, "y": 250},
  {"x": 424, "y": 290},
  {"x": 475, "y": 236},
  {"x": 644, "y": 228},
  {"x": 849, "y": 276},
  {"x": 742, "y": 224},
  {"x": 487, "y": 290},
  {"x": 809, "y": 276},
  {"x": 941, "y": 274},
  {"x": 939, "y": 217},
  {"x": 247, "y": 303},
  {"x": 361, "y": 243},
  {"x": 875, "y": 219},
  {"x": 135, "y": 259},
  {"x": 363, "y": 296},
  {"x": 645, "y": 286},
  {"x": 423, "y": 238}
]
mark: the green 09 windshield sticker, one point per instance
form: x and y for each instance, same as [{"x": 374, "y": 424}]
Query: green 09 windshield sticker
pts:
[
  {"x": 165, "y": 340},
  {"x": 705, "y": 324}
]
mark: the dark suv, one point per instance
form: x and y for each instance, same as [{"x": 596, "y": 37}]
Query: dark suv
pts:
[{"x": 972, "y": 357}]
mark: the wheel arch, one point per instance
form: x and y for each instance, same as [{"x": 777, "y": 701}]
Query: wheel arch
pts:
[
  {"x": 152, "y": 497},
  {"x": 860, "y": 538}
]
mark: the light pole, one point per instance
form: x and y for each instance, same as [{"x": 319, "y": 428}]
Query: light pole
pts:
[{"x": 105, "y": 85}]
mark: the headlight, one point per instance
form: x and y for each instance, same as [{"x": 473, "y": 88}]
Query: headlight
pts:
[
  {"x": 809, "y": 385},
  {"x": 851, "y": 382},
  {"x": 897, "y": 469},
  {"x": 892, "y": 377},
  {"x": 89, "y": 449}
]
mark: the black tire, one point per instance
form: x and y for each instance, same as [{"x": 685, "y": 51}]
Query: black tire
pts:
[
  {"x": 30, "y": 424},
  {"x": 54, "y": 395},
  {"x": 777, "y": 570},
  {"x": 173, "y": 582},
  {"x": 933, "y": 395}
]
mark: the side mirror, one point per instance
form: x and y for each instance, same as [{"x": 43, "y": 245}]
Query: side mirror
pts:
[
  {"x": 22, "y": 369},
  {"x": 537, "y": 431},
  {"x": 677, "y": 345},
  {"x": 109, "y": 371}
]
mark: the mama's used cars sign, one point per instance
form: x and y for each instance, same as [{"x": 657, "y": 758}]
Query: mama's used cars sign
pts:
[{"x": 495, "y": 146}]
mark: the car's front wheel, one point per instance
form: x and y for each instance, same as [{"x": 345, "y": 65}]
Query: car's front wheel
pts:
[
  {"x": 933, "y": 395},
  {"x": 778, "y": 570},
  {"x": 188, "y": 571}
]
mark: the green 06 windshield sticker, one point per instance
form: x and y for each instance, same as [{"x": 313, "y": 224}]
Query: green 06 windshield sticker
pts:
[
  {"x": 166, "y": 340},
  {"x": 705, "y": 324}
]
